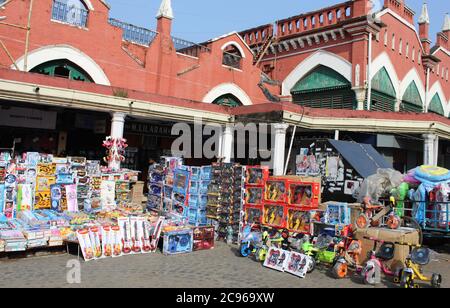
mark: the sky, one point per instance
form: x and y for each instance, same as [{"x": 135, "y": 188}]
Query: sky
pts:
[{"x": 201, "y": 20}]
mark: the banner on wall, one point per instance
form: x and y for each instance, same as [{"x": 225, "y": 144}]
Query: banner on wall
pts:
[{"x": 28, "y": 117}]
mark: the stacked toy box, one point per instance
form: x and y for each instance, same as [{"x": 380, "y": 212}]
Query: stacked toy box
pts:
[
  {"x": 198, "y": 195},
  {"x": 255, "y": 179},
  {"x": 155, "y": 186},
  {"x": 180, "y": 192},
  {"x": 170, "y": 165},
  {"x": 225, "y": 199}
]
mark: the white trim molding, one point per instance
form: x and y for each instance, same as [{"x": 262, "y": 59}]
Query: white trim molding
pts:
[
  {"x": 235, "y": 44},
  {"x": 320, "y": 57},
  {"x": 88, "y": 4},
  {"x": 57, "y": 52},
  {"x": 381, "y": 61},
  {"x": 412, "y": 75},
  {"x": 227, "y": 88}
]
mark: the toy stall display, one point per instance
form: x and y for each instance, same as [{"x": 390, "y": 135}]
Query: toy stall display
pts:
[
  {"x": 225, "y": 200},
  {"x": 198, "y": 195}
]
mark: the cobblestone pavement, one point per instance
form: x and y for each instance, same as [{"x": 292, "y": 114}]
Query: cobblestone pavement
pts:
[{"x": 220, "y": 267}]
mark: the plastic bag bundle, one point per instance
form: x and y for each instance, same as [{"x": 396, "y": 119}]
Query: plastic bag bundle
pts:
[{"x": 379, "y": 184}]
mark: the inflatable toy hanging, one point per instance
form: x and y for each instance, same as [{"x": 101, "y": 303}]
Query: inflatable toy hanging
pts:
[{"x": 431, "y": 174}]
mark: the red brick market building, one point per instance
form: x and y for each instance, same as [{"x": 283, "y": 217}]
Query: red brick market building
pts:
[{"x": 372, "y": 76}]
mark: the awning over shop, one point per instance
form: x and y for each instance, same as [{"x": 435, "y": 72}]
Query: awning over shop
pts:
[{"x": 363, "y": 157}]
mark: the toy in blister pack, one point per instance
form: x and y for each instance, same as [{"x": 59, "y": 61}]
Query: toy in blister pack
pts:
[
  {"x": 94, "y": 234},
  {"x": 253, "y": 214},
  {"x": 116, "y": 241},
  {"x": 93, "y": 167},
  {"x": 156, "y": 234},
  {"x": 254, "y": 195},
  {"x": 337, "y": 213},
  {"x": 56, "y": 197},
  {"x": 195, "y": 174},
  {"x": 274, "y": 215},
  {"x": 42, "y": 200},
  {"x": 125, "y": 230},
  {"x": 275, "y": 191},
  {"x": 277, "y": 259},
  {"x": 46, "y": 170},
  {"x": 298, "y": 264},
  {"x": 181, "y": 181},
  {"x": 298, "y": 221},
  {"x": 72, "y": 198},
  {"x": 205, "y": 174},
  {"x": 137, "y": 234},
  {"x": 43, "y": 183},
  {"x": 77, "y": 161},
  {"x": 25, "y": 198},
  {"x": 64, "y": 178},
  {"x": 178, "y": 242},
  {"x": 256, "y": 175},
  {"x": 85, "y": 244}
]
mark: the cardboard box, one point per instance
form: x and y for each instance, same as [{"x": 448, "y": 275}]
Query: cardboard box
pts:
[{"x": 402, "y": 235}]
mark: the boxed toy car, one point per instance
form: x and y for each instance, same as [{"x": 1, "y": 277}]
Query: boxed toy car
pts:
[
  {"x": 254, "y": 195},
  {"x": 203, "y": 238},
  {"x": 253, "y": 214},
  {"x": 256, "y": 175},
  {"x": 276, "y": 191},
  {"x": 298, "y": 221},
  {"x": 304, "y": 192},
  {"x": 274, "y": 215},
  {"x": 181, "y": 181},
  {"x": 178, "y": 242}
]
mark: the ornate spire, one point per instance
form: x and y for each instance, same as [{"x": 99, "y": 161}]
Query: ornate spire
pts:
[
  {"x": 424, "y": 17},
  {"x": 165, "y": 10},
  {"x": 446, "y": 26}
]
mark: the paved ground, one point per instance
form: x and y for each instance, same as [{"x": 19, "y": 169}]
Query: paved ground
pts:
[{"x": 220, "y": 268}]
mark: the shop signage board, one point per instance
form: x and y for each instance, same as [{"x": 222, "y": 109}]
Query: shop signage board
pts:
[{"x": 28, "y": 117}]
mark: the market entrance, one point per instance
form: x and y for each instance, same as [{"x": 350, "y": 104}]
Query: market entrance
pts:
[{"x": 52, "y": 130}]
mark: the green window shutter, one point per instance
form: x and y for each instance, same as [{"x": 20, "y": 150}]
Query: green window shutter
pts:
[
  {"x": 228, "y": 100},
  {"x": 411, "y": 101},
  {"x": 436, "y": 105},
  {"x": 320, "y": 79},
  {"x": 74, "y": 71},
  {"x": 382, "y": 102},
  {"x": 381, "y": 82}
]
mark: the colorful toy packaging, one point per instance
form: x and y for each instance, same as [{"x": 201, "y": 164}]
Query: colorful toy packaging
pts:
[
  {"x": 203, "y": 238},
  {"x": 178, "y": 242}
]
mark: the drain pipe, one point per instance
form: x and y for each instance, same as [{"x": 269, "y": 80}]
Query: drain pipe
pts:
[{"x": 369, "y": 72}]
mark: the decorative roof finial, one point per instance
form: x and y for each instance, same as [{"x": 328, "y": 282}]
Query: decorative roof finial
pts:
[
  {"x": 446, "y": 26},
  {"x": 424, "y": 17},
  {"x": 165, "y": 10}
]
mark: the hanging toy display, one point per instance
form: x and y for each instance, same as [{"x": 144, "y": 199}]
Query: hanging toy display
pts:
[{"x": 115, "y": 150}]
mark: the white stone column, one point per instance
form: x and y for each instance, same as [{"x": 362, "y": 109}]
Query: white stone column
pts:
[
  {"x": 227, "y": 143},
  {"x": 279, "y": 148},
  {"x": 117, "y": 129},
  {"x": 117, "y": 124},
  {"x": 429, "y": 147},
  {"x": 436, "y": 150},
  {"x": 360, "y": 93}
]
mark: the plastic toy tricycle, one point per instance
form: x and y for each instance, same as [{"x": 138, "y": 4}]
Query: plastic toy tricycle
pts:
[
  {"x": 418, "y": 257},
  {"x": 320, "y": 252},
  {"x": 348, "y": 258},
  {"x": 371, "y": 272}
]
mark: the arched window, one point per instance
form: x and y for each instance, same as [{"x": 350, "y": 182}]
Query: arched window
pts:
[
  {"x": 323, "y": 87},
  {"x": 62, "y": 68},
  {"x": 436, "y": 105},
  {"x": 232, "y": 57},
  {"x": 228, "y": 100},
  {"x": 73, "y": 12},
  {"x": 383, "y": 92},
  {"x": 411, "y": 101}
]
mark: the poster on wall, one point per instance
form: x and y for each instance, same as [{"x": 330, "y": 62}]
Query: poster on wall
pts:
[
  {"x": 350, "y": 187},
  {"x": 334, "y": 169},
  {"x": 306, "y": 164},
  {"x": 298, "y": 264},
  {"x": 277, "y": 259}
]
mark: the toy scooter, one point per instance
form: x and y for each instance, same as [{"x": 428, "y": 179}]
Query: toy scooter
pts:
[
  {"x": 319, "y": 252},
  {"x": 418, "y": 257},
  {"x": 371, "y": 273}
]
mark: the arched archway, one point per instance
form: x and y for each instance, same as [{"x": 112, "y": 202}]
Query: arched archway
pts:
[
  {"x": 62, "y": 68},
  {"x": 321, "y": 57},
  {"x": 436, "y": 93},
  {"x": 227, "y": 88},
  {"x": 384, "y": 95},
  {"x": 323, "y": 87},
  {"x": 57, "y": 52}
]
